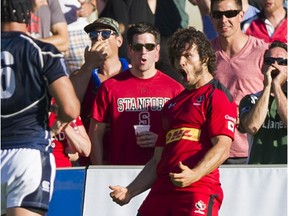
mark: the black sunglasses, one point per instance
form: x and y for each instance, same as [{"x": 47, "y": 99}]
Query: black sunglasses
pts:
[
  {"x": 105, "y": 34},
  {"x": 229, "y": 13},
  {"x": 271, "y": 60},
  {"x": 139, "y": 47}
]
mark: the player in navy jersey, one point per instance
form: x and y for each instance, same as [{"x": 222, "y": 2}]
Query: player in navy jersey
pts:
[
  {"x": 31, "y": 72},
  {"x": 198, "y": 129}
]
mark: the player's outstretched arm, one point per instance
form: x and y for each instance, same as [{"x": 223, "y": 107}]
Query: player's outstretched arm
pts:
[{"x": 144, "y": 180}]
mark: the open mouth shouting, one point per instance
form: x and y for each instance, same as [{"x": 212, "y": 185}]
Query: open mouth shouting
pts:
[
  {"x": 183, "y": 75},
  {"x": 143, "y": 60}
]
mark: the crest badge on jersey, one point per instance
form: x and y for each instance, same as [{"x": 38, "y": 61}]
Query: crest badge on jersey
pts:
[
  {"x": 200, "y": 206},
  {"x": 230, "y": 123},
  {"x": 199, "y": 100}
]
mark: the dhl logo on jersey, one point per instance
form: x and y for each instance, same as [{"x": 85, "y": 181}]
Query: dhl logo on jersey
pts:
[{"x": 183, "y": 133}]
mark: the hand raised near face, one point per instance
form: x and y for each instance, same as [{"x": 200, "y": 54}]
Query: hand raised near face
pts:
[
  {"x": 86, "y": 9},
  {"x": 279, "y": 74},
  {"x": 97, "y": 54},
  {"x": 274, "y": 74}
]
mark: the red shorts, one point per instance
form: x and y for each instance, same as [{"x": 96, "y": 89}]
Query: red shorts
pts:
[{"x": 182, "y": 203}]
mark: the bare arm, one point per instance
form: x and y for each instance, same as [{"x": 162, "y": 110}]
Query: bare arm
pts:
[
  {"x": 80, "y": 80},
  {"x": 96, "y": 134},
  {"x": 152, "y": 4},
  {"x": 94, "y": 57},
  {"x": 252, "y": 121},
  {"x": 144, "y": 180},
  {"x": 60, "y": 37},
  {"x": 203, "y": 5},
  {"x": 68, "y": 104},
  {"x": 78, "y": 139},
  {"x": 278, "y": 83},
  {"x": 65, "y": 97},
  {"x": 213, "y": 159},
  {"x": 281, "y": 101},
  {"x": 87, "y": 7}
]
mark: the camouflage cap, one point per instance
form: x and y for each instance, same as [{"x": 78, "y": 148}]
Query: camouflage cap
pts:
[{"x": 103, "y": 22}]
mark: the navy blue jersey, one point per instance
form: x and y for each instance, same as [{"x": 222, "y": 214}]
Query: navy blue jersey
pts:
[{"x": 28, "y": 66}]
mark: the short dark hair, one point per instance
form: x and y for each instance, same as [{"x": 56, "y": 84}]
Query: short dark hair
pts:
[
  {"x": 141, "y": 28},
  {"x": 275, "y": 44},
  {"x": 16, "y": 10},
  {"x": 177, "y": 44},
  {"x": 238, "y": 3}
]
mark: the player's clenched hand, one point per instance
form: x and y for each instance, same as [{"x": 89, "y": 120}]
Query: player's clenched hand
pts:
[
  {"x": 120, "y": 195},
  {"x": 185, "y": 177}
]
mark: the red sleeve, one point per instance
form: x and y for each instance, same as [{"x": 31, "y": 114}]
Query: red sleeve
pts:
[
  {"x": 79, "y": 121},
  {"x": 100, "y": 110},
  {"x": 223, "y": 115},
  {"x": 161, "y": 140}
]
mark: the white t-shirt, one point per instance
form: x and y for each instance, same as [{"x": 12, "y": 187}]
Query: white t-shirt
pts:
[{"x": 69, "y": 9}]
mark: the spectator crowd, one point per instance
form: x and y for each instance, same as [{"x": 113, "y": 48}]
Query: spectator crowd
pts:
[{"x": 128, "y": 82}]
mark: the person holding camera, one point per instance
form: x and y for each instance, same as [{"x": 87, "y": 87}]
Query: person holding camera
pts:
[{"x": 263, "y": 115}]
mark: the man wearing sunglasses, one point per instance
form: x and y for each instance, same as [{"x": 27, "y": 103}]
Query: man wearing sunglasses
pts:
[
  {"x": 101, "y": 62},
  {"x": 263, "y": 115},
  {"x": 239, "y": 58},
  {"x": 204, "y": 8},
  {"x": 198, "y": 129},
  {"x": 270, "y": 24},
  {"x": 133, "y": 97}
]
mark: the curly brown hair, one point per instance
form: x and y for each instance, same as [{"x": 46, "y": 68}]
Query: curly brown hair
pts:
[{"x": 178, "y": 41}]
